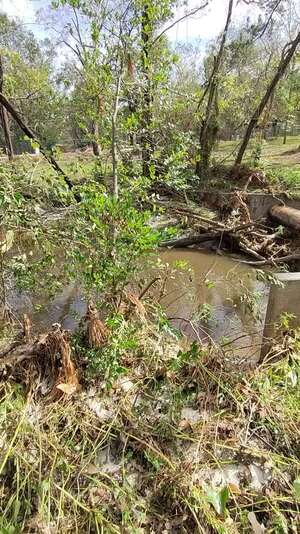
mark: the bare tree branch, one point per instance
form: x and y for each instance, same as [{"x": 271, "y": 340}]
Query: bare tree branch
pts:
[{"x": 187, "y": 15}]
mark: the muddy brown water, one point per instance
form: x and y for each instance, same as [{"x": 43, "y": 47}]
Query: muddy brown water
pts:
[
  {"x": 209, "y": 298},
  {"x": 216, "y": 298}
]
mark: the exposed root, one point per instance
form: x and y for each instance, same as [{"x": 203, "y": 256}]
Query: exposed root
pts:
[
  {"x": 67, "y": 380},
  {"x": 27, "y": 326},
  {"x": 97, "y": 333},
  {"x": 43, "y": 364}
]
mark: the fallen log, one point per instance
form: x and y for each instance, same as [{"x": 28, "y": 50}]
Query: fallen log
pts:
[
  {"x": 190, "y": 240},
  {"x": 208, "y": 236},
  {"x": 287, "y": 216}
]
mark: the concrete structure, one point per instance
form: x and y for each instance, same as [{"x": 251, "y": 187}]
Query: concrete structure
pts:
[
  {"x": 281, "y": 300},
  {"x": 258, "y": 203}
]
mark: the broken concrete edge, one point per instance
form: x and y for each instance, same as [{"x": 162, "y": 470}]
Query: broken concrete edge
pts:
[
  {"x": 283, "y": 298},
  {"x": 259, "y": 203}
]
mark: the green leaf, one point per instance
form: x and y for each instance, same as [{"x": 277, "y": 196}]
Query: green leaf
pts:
[
  {"x": 296, "y": 486},
  {"x": 8, "y": 242},
  {"x": 218, "y": 499},
  {"x": 209, "y": 284}
]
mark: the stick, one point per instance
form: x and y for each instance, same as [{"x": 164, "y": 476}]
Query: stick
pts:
[
  {"x": 270, "y": 261},
  {"x": 148, "y": 286},
  {"x": 197, "y": 216}
]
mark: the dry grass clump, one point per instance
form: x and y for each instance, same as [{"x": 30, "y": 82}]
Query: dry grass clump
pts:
[
  {"x": 176, "y": 444},
  {"x": 43, "y": 365}
]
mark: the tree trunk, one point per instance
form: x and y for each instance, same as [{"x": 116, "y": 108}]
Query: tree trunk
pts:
[
  {"x": 114, "y": 138},
  {"x": 8, "y": 106},
  {"x": 95, "y": 126},
  {"x": 287, "y": 55},
  {"x": 96, "y": 149},
  {"x": 146, "y": 119},
  {"x": 287, "y": 216},
  {"x": 209, "y": 127},
  {"x": 285, "y": 132},
  {"x": 208, "y": 134},
  {"x": 7, "y": 136},
  {"x": 4, "y": 119},
  {"x": 95, "y": 144}
]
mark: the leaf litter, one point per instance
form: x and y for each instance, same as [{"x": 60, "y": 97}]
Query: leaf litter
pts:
[{"x": 146, "y": 454}]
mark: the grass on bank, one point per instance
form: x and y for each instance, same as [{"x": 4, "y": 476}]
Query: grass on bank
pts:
[
  {"x": 179, "y": 442},
  {"x": 274, "y": 152},
  {"x": 280, "y": 162}
]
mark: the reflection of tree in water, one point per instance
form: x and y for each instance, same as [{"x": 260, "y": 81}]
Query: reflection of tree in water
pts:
[
  {"x": 65, "y": 309},
  {"x": 228, "y": 288}
]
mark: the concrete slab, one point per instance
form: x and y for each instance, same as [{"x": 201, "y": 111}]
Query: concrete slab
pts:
[{"x": 284, "y": 299}]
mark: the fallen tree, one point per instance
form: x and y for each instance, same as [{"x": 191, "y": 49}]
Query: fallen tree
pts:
[
  {"x": 189, "y": 240},
  {"x": 256, "y": 239},
  {"x": 287, "y": 216},
  {"x": 273, "y": 261},
  {"x": 232, "y": 238},
  {"x": 27, "y": 131}
]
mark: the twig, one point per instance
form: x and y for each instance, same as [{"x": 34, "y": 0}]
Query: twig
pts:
[
  {"x": 185, "y": 16},
  {"x": 148, "y": 286}
]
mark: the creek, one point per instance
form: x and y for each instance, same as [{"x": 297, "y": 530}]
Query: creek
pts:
[{"x": 209, "y": 297}]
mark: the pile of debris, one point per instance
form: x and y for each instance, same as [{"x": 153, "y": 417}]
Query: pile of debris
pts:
[{"x": 266, "y": 241}]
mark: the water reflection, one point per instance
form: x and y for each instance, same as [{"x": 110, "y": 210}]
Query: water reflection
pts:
[
  {"x": 215, "y": 297},
  {"x": 208, "y": 297}
]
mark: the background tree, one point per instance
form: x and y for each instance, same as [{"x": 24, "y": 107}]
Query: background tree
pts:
[
  {"x": 287, "y": 55},
  {"x": 29, "y": 83},
  {"x": 209, "y": 123}
]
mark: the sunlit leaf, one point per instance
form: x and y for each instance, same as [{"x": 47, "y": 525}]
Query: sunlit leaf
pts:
[
  {"x": 296, "y": 486},
  {"x": 8, "y": 242},
  {"x": 218, "y": 499}
]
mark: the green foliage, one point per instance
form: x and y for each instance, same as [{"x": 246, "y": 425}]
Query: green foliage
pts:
[
  {"x": 204, "y": 312},
  {"x": 218, "y": 499},
  {"x": 109, "y": 239},
  {"x": 188, "y": 357},
  {"x": 105, "y": 362},
  {"x": 279, "y": 390},
  {"x": 252, "y": 302},
  {"x": 285, "y": 320},
  {"x": 285, "y": 177},
  {"x": 101, "y": 246},
  {"x": 296, "y": 486},
  {"x": 177, "y": 164},
  {"x": 256, "y": 154}
]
